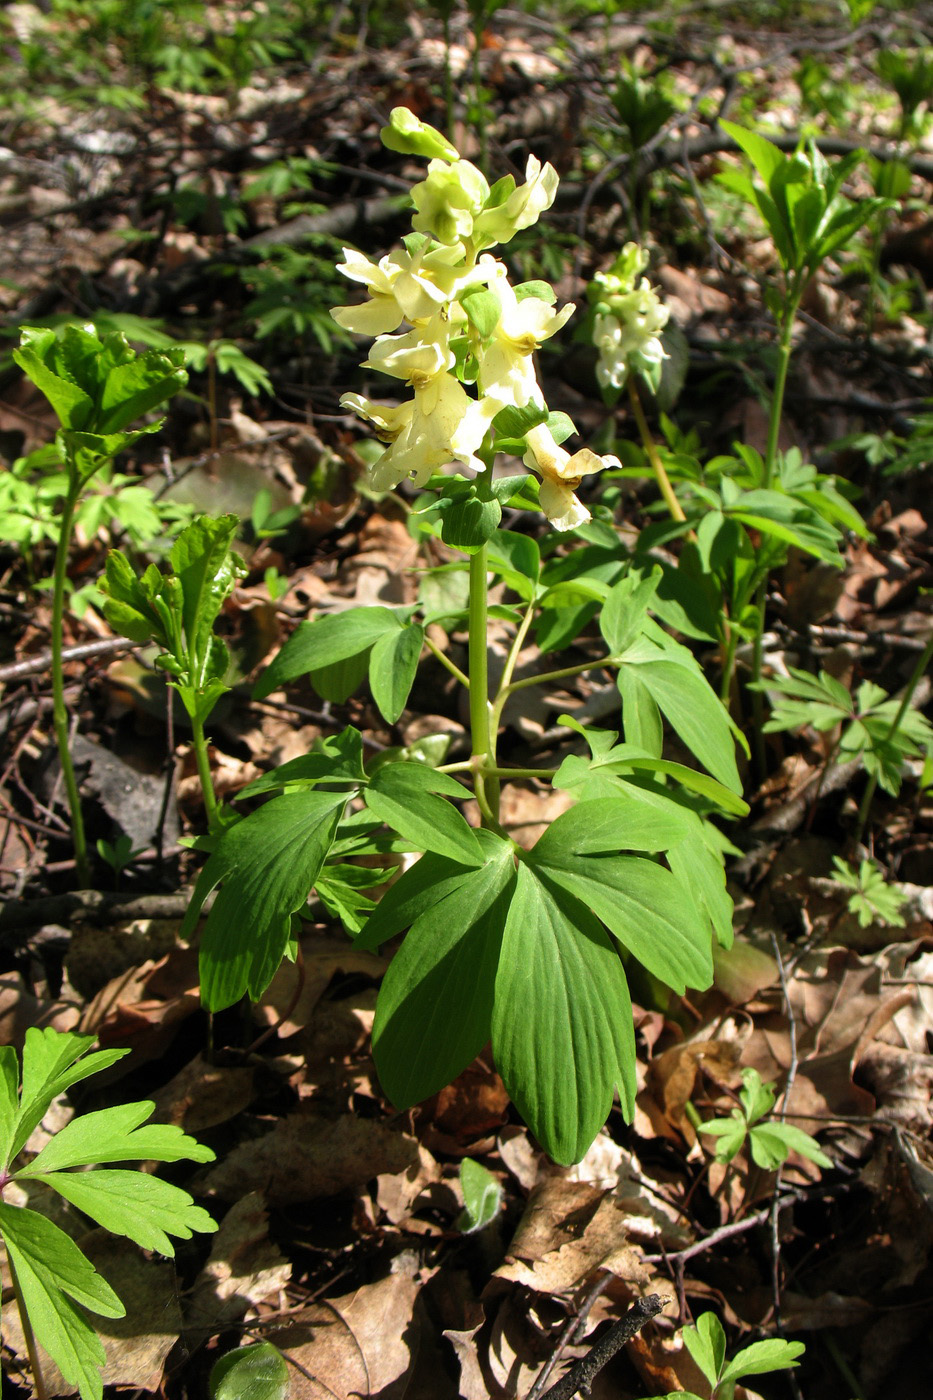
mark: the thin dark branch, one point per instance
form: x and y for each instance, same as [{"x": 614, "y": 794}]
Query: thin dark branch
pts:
[{"x": 580, "y": 1377}]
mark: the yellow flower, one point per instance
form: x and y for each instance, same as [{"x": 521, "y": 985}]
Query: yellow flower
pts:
[{"x": 561, "y": 474}]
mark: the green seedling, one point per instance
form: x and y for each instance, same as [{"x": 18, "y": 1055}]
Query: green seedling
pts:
[
  {"x": 632, "y": 873},
  {"x": 178, "y": 611},
  {"x": 911, "y": 77},
  {"x": 482, "y": 1196},
  {"x": 256, "y": 1372},
  {"x": 706, "y": 1343},
  {"x": 871, "y": 898},
  {"x": 97, "y": 388},
  {"x": 769, "y": 1143},
  {"x": 644, "y": 108},
  {"x": 268, "y": 523},
  {"x": 118, "y": 854},
  {"x": 53, "y": 1282},
  {"x": 880, "y": 730},
  {"x": 276, "y": 584}
]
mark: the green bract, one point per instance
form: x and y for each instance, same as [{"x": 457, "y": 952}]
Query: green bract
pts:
[{"x": 53, "y": 1279}]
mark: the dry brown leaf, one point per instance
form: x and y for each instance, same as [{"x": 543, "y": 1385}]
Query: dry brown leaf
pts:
[
  {"x": 306, "y": 1157},
  {"x": 397, "y": 1192},
  {"x": 570, "y": 1229},
  {"x": 143, "y": 1008},
  {"x": 361, "y": 1344},
  {"x": 466, "y": 1114},
  {"x": 672, "y": 1076},
  {"x": 244, "y": 1267},
  {"x": 19, "y": 1010},
  {"x": 296, "y": 989},
  {"x": 201, "y": 1095}
]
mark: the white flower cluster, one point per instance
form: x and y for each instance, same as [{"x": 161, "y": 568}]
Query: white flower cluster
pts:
[
  {"x": 628, "y": 322},
  {"x": 469, "y": 327}
]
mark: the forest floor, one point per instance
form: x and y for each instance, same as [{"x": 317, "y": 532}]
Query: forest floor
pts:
[{"x": 217, "y": 218}]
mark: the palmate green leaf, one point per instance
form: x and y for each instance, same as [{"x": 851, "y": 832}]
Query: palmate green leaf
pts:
[
  {"x": 517, "y": 561},
  {"x": 702, "y": 875},
  {"x": 52, "y": 1271},
  {"x": 49, "y": 1068},
  {"x": 143, "y": 1208},
  {"x": 643, "y": 905},
  {"x": 266, "y": 865},
  {"x": 393, "y": 663},
  {"x": 340, "y": 892},
  {"x": 341, "y": 678},
  {"x": 403, "y": 796},
  {"x": 115, "y": 1135},
  {"x": 434, "y": 1012},
  {"x": 772, "y": 1143},
  {"x": 257, "y": 1372},
  {"x": 731, "y": 1132},
  {"x": 756, "y": 1098},
  {"x": 562, "y": 1029},
  {"x": 138, "y": 383},
  {"x": 325, "y": 641}
]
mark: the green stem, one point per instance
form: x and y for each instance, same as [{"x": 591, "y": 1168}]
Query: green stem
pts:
[
  {"x": 923, "y": 662},
  {"x": 480, "y": 727},
  {"x": 446, "y": 661},
  {"x": 59, "y": 710},
  {"x": 546, "y": 677},
  {"x": 654, "y": 456},
  {"x": 29, "y": 1336},
  {"x": 774, "y": 429},
  {"x": 199, "y": 743}
]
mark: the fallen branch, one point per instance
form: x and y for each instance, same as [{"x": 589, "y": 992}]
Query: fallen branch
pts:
[{"x": 581, "y": 1376}]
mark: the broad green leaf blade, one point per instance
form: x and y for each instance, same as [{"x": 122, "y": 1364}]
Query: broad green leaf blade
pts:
[
  {"x": 482, "y": 1195},
  {"x": 257, "y": 1372},
  {"x": 9, "y": 1100},
  {"x": 268, "y": 864},
  {"x": 677, "y": 685},
  {"x": 139, "y": 384},
  {"x": 423, "y": 885},
  {"x": 326, "y": 640},
  {"x": 772, "y": 1355},
  {"x": 623, "y": 614},
  {"x": 115, "y": 1135},
  {"x": 403, "y": 796},
  {"x": 621, "y": 823},
  {"x": 434, "y": 1011},
  {"x": 49, "y": 1068},
  {"x": 644, "y": 906},
  {"x": 55, "y": 1260},
  {"x": 706, "y": 1343},
  {"x": 702, "y": 874},
  {"x": 202, "y": 562},
  {"x": 338, "y": 758},
  {"x": 562, "y": 1029},
  {"x": 131, "y": 1203},
  {"x": 35, "y": 358},
  {"x": 393, "y": 663}
]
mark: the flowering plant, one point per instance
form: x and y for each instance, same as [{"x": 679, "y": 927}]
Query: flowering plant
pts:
[
  {"x": 526, "y": 949},
  {"x": 628, "y": 321}
]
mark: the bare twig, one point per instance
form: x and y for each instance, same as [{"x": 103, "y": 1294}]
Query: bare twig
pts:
[
  {"x": 87, "y": 651},
  {"x": 570, "y": 1334},
  {"x": 580, "y": 1377}
]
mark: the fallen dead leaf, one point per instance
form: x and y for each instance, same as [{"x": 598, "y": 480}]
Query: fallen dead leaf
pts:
[
  {"x": 361, "y": 1344},
  {"x": 306, "y": 1157},
  {"x": 244, "y": 1267}
]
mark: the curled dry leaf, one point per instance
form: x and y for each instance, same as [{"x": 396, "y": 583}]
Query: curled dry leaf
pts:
[{"x": 296, "y": 989}]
